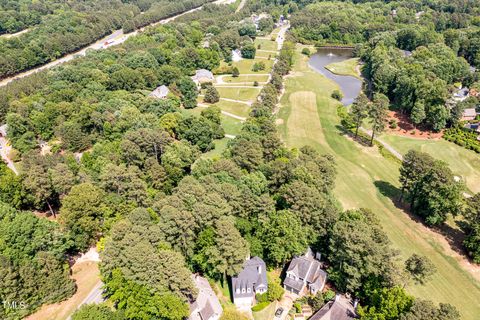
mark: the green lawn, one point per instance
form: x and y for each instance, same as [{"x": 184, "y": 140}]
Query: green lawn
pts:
[
  {"x": 220, "y": 146},
  {"x": 245, "y": 65},
  {"x": 246, "y": 80},
  {"x": 365, "y": 178},
  {"x": 266, "y": 44},
  {"x": 231, "y": 125},
  {"x": 266, "y": 314},
  {"x": 463, "y": 162},
  {"x": 345, "y": 68},
  {"x": 243, "y": 94},
  {"x": 239, "y": 109}
]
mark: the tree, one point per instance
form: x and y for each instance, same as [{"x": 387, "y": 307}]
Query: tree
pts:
[
  {"x": 275, "y": 290},
  {"x": 426, "y": 310},
  {"x": 386, "y": 304},
  {"x": 97, "y": 312},
  {"x": 378, "y": 114},
  {"x": 472, "y": 227},
  {"x": 418, "y": 113},
  {"x": 420, "y": 268},
  {"x": 189, "y": 92},
  {"x": 247, "y": 29},
  {"x": 235, "y": 72},
  {"x": 248, "y": 51},
  {"x": 82, "y": 213},
  {"x": 211, "y": 95},
  {"x": 233, "y": 314},
  {"x": 337, "y": 95},
  {"x": 359, "y": 111}
]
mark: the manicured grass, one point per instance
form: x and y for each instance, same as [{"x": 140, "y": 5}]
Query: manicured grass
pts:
[
  {"x": 266, "y": 44},
  {"x": 345, "y": 68},
  {"x": 243, "y": 94},
  {"x": 246, "y": 80},
  {"x": 220, "y": 146},
  {"x": 239, "y": 109},
  {"x": 366, "y": 179},
  {"x": 268, "y": 313},
  {"x": 245, "y": 65},
  {"x": 231, "y": 125},
  {"x": 463, "y": 162}
]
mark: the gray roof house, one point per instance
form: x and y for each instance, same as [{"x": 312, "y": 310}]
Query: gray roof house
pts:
[
  {"x": 339, "y": 309},
  {"x": 3, "y": 130},
  {"x": 251, "y": 280},
  {"x": 203, "y": 75},
  {"x": 305, "y": 273},
  {"x": 206, "y": 306},
  {"x": 160, "y": 93}
]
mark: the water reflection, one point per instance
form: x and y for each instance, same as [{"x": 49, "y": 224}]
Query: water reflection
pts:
[{"x": 349, "y": 85}]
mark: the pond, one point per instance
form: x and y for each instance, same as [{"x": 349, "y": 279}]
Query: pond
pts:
[{"x": 349, "y": 85}]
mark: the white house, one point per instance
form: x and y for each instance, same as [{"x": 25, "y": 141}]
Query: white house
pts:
[{"x": 305, "y": 273}]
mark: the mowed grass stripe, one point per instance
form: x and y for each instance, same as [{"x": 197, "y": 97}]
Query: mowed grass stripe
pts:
[{"x": 360, "y": 173}]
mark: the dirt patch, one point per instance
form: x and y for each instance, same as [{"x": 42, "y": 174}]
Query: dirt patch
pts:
[
  {"x": 279, "y": 122},
  {"x": 406, "y": 128}
]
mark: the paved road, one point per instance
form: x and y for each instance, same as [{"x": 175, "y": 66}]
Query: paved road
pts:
[{"x": 115, "y": 38}]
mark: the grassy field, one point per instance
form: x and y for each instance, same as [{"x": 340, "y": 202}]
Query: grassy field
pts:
[
  {"x": 266, "y": 44},
  {"x": 248, "y": 79},
  {"x": 346, "y": 68},
  {"x": 366, "y": 179},
  {"x": 243, "y": 94},
  {"x": 245, "y": 65},
  {"x": 463, "y": 162},
  {"x": 239, "y": 109}
]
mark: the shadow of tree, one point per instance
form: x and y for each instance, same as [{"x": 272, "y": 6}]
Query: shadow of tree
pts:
[
  {"x": 361, "y": 139},
  {"x": 454, "y": 236}
]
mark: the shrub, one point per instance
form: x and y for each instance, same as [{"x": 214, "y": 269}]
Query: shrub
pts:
[
  {"x": 212, "y": 95},
  {"x": 337, "y": 95},
  {"x": 261, "y": 297},
  {"x": 298, "y": 307},
  {"x": 235, "y": 72},
  {"x": 255, "y": 83},
  {"x": 393, "y": 124},
  {"x": 463, "y": 137},
  {"x": 306, "y": 52},
  {"x": 248, "y": 51},
  {"x": 329, "y": 295},
  {"x": 260, "y": 306},
  {"x": 259, "y": 46},
  {"x": 258, "y": 66},
  {"x": 205, "y": 85}
]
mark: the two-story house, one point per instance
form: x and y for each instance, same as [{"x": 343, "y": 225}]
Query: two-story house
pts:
[
  {"x": 305, "y": 274},
  {"x": 250, "y": 281}
]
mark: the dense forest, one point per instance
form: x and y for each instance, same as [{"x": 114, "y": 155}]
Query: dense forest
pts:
[
  {"x": 80, "y": 25},
  {"x": 125, "y": 171}
]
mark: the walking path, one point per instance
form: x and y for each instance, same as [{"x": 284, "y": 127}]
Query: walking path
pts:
[
  {"x": 13, "y": 35},
  {"x": 234, "y": 85},
  {"x": 391, "y": 149},
  {"x": 115, "y": 38},
  {"x": 203, "y": 105},
  {"x": 241, "y": 5}
]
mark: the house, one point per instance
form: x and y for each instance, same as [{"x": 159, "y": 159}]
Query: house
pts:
[
  {"x": 469, "y": 114},
  {"x": 206, "y": 306},
  {"x": 461, "y": 94},
  {"x": 160, "y": 93},
  {"x": 202, "y": 76},
  {"x": 250, "y": 281},
  {"x": 305, "y": 273},
  {"x": 236, "y": 55},
  {"x": 338, "y": 309}
]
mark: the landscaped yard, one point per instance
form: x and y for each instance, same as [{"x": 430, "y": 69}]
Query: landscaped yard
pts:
[
  {"x": 243, "y": 94},
  {"x": 239, "y": 109},
  {"x": 266, "y": 314},
  {"x": 266, "y": 44},
  {"x": 463, "y": 162},
  {"x": 245, "y": 65},
  {"x": 246, "y": 79},
  {"x": 231, "y": 126},
  {"x": 347, "y": 68},
  {"x": 366, "y": 179}
]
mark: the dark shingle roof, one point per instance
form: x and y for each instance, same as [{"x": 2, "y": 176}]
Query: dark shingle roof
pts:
[
  {"x": 338, "y": 309},
  {"x": 252, "y": 276}
]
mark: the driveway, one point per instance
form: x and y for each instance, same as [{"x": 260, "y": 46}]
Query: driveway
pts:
[{"x": 286, "y": 303}]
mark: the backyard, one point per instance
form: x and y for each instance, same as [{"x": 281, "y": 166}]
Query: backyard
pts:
[{"x": 308, "y": 116}]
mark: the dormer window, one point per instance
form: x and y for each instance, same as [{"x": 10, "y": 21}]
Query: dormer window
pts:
[
  {"x": 238, "y": 290},
  {"x": 249, "y": 290},
  {"x": 243, "y": 290}
]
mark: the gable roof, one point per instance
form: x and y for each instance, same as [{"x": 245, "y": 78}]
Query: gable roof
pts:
[
  {"x": 469, "y": 112},
  {"x": 203, "y": 74},
  {"x": 206, "y": 305},
  {"x": 253, "y": 275},
  {"x": 338, "y": 309},
  {"x": 160, "y": 92}
]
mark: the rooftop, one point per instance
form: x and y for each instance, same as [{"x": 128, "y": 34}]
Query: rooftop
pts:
[
  {"x": 339, "y": 309},
  {"x": 251, "y": 277}
]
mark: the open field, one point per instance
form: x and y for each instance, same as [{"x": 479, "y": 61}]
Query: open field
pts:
[
  {"x": 345, "y": 68},
  {"x": 86, "y": 276},
  {"x": 245, "y": 65},
  {"x": 366, "y": 179},
  {"x": 244, "y": 94},
  {"x": 239, "y": 109},
  {"x": 243, "y": 79},
  {"x": 266, "y": 44},
  {"x": 463, "y": 162},
  {"x": 220, "y": 146}
]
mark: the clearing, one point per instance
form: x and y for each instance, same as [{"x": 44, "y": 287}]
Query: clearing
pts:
[
  {"x": 367, "y": 179},
  {"x": 345, "y": 68}
]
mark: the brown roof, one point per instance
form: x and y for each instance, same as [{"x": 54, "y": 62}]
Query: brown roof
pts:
[{"x": 339, "y": 309}]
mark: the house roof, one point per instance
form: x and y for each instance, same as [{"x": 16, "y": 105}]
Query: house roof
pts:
[
  {"x": 253, "y": 276},
  {"x": 160, "y": 92},
  {"x": 203, "y": 74},
  {"x": 206, "y": 305},
  {"x": 469, "y": 112},
  {"x": 293, "y": 283},
  {"x": 339, "y": 309},
  {"x": 3, "y": 130}
]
